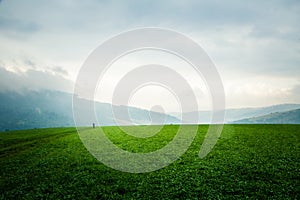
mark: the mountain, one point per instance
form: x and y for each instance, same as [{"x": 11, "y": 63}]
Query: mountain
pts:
[
  {"x": 39, "y": 109},
  {"x": 287, "y": 117},
  {"x": 231, "y": 115},
  {"x": 236, "y": 114}
]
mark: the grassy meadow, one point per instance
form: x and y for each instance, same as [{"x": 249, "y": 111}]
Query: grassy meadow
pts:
[{"x": 248, "y": 161}]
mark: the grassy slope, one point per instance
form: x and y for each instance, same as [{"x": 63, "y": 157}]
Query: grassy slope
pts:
[
  {"x": 288, "y": 117},
  {"x": 256, "y": 161}
]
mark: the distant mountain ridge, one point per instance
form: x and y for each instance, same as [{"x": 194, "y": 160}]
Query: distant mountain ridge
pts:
[
  {"x": 232, "y": 115},
  {"x": 287, "y": 117},
  {"x": 40, "y": 109}
]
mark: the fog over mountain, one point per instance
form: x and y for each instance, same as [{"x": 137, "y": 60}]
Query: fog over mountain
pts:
[
  {"x": 45, "y": 108},
  {"x": 232, "y": 115},
  {"x": 40, "y": 109},
  {"x": 287, "y": 117}
]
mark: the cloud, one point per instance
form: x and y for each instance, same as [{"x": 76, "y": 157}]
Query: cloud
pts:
[
  {"x": 30, "y": 63},
  {"x": 243, "y": 38},
  {"x": 262, "y": 91},
  {"x": 17, "y": 25},
  {"x": 17, "y": 28},
  {"x": 295, "y": 91},
  {"x": 60, "y": 71},
  {"x": 33, "y": 80}
]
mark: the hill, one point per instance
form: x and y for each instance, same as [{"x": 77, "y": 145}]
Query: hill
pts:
[
  {"x": 288, "y": 117},
  {"x": 231, "y": 115},
  {"x": 46, "y": 108},
  {"x": 41, "y": 109}
]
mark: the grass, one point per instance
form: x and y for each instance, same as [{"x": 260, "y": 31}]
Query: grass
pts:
[{"x": 249, "y": 161}]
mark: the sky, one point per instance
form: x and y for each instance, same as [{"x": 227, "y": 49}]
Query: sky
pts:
[{"x": 255, "y": 45}]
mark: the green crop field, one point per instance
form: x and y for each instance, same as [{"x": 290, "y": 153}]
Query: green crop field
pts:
[{"x": 248, "y": 161}]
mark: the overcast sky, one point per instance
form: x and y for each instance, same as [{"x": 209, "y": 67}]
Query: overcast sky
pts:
[{"x": 255, "y": 45}]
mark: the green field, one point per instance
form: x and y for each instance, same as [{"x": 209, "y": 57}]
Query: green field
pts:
[{"x": 249, "y": 161}]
